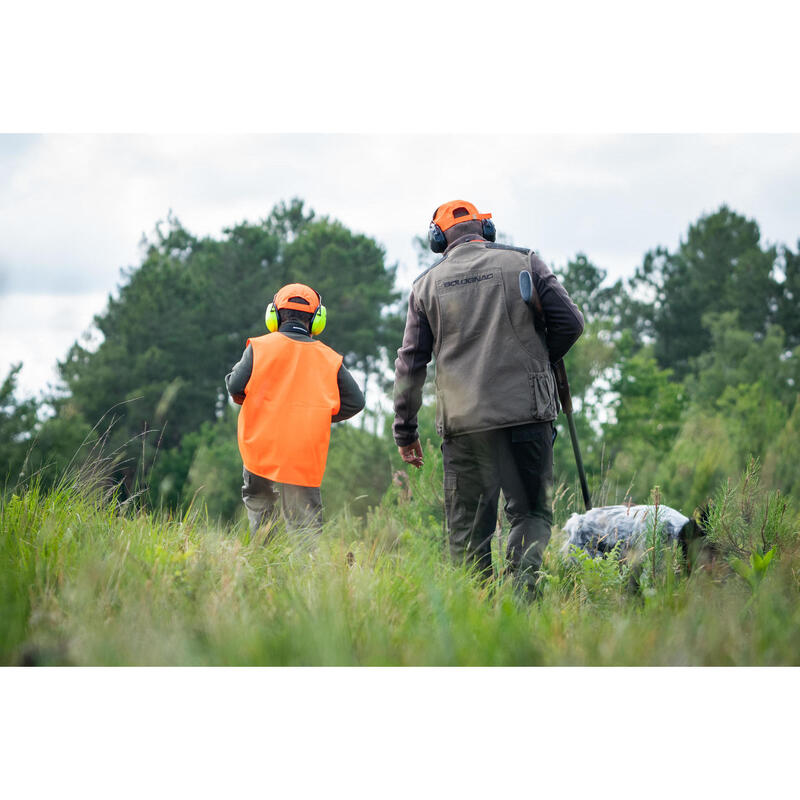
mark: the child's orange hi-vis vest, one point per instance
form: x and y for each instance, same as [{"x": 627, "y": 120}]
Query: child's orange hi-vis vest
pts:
[{"x": 285, "y": 420}]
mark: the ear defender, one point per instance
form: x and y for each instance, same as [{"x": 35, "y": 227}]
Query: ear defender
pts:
[
  {"x": 273, "y": 320},
  {"x": 488, "y": 231},
  {"x": 319, "y": 321},
  {"x": 436, "y": 238}
]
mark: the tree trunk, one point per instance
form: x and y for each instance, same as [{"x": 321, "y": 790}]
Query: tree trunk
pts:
[{"x": 364, "y": 412}]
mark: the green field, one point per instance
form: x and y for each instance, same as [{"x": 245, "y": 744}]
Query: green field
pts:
[{"x": 86, "y": 580}]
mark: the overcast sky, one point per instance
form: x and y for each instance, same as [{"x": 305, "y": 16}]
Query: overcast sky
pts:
[{"x": 73, "y": 208}]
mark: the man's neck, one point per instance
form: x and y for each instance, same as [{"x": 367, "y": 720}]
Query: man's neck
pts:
[{"x": 467, "y": 237}]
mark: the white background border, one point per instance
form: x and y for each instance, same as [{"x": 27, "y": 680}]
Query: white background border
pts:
[{"x": 367, "y": 67}]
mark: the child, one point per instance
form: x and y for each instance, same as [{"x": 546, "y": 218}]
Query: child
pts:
[{"x": 290, "y": 388}]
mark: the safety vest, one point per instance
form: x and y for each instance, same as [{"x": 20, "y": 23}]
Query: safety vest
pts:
[{"x": 285, "y": 420}]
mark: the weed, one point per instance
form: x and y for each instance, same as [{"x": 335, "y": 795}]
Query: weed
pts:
[
  {"x": 86, "y": 579},
  {"x": 744, "y": 518}
]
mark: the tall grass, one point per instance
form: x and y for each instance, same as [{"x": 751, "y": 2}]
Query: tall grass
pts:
[{"x": 86, "y": 579}]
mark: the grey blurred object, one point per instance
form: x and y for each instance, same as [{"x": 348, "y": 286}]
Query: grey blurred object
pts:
[{"x": 600, "y": 529}]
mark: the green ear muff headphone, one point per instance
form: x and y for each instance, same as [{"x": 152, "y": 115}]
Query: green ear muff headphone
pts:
[{"x": 318, "y": 321}]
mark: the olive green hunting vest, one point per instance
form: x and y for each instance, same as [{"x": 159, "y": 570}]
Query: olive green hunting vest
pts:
[{"x": 492, "y": 365}]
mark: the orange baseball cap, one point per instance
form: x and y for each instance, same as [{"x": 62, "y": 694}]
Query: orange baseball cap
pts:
[
  {"x": 445, "y": 216},
  {"x": 297, "y": 290}
]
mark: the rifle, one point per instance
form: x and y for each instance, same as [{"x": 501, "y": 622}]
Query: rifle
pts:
[{"x": 562, "y": 383}]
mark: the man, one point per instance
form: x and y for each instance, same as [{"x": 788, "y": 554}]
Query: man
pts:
[
  {"x": 495, "y": 390},
  {"x": 290, "y": 389}
]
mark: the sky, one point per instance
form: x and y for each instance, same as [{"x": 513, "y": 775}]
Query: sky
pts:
[{"x": 74, "y": 208}]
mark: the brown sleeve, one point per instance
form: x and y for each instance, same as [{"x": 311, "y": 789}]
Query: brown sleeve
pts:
[
  {"x": 563, "y": 318},
  {"x": 410, "y": 369}
]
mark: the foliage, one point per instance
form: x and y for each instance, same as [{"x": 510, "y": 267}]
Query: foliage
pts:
[
  {"x": 647, "y": 405},
  {"x": 744, "y": 518},
  {"x": 590, "y": 366},
  {"x": 60, "y": 442},
  {"x": 215, "y": 474},
  {"x": 88, "y": 579},
  {"x": 584, "y": 282},
  {"x": 702, "y": 455},
  {"x": 182, "y": 317},
  {"x": 17, "y": 418},
  {"x": 755, "y": 571},
  {"x": 661, "y": 562},
  {"x": 208, "y": 467},
  {"x": 600, "y": 580},
  {"x": 737, "y": 358},
  {"x": 720, "y": 266},
  {"x": 321, "y": 255},
  {"x": 787, "y": 316},
  {"x": 686, "y": 378},
  {"x": 648, "y": 409},
  {"x": 781, "y": 462},
  {"x": 358, "y": 472}
]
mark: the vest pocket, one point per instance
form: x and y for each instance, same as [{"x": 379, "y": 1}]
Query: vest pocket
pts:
[
  {"x": 440, "y": 417},
  {"x": 543, "y": 395}
]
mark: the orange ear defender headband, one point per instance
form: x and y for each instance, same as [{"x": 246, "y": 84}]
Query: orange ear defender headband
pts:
[
  {"x": 453, "y": 213},
  {"x": 282, "y": 300}
]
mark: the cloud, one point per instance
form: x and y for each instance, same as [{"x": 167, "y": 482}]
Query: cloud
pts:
[
  {"x": 73, "y": 208},
  {"x": 38, "y": 329}
]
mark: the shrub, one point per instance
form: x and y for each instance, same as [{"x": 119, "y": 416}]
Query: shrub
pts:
[{"x": 744, "y": 518}]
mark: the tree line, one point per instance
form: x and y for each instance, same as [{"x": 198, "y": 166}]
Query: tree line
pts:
[{"x": 685, "y": 370}]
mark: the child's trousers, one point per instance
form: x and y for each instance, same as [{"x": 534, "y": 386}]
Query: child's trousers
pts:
[{"x": 301, "y": 506}]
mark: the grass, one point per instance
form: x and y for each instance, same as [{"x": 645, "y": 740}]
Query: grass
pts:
[{"x": 86, "y": 580}]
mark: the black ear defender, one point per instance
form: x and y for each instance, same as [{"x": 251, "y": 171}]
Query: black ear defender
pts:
[
  {"x": 436, "y": 238},
  {"x": 488, "y": 231}
]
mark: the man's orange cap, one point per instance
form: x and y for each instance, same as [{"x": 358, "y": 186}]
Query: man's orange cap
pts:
[
  {"x": 445, "y": 216},
  {"x": 297, "y": 290}
]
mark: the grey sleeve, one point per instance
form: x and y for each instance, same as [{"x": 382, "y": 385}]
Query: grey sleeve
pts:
[
  {"x": 351, "y": 398},
  {"x": 563, "y": 318},
  {"x": 236, "y": 380},
  {"x": 410, "y": 369}
]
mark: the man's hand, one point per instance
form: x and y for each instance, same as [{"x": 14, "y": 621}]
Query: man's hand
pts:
[{"x": 412, "y": 454}]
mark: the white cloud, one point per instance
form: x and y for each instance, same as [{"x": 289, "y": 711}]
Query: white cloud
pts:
[
  {"x": 73, "y": 207},
  {"x": 38, "y": 329}
]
